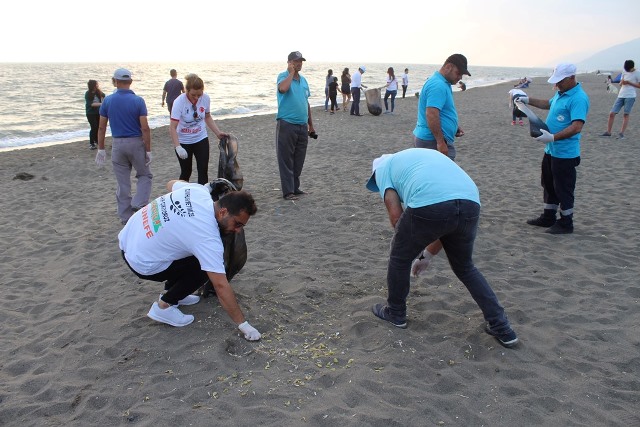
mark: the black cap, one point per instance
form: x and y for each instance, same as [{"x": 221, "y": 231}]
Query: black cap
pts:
[
  {"x": 459, "y": 61},
  {"x": 295, "y": 56}
]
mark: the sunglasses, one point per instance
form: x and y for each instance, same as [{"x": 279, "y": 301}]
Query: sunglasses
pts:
[{"x": 195, "y": 111}]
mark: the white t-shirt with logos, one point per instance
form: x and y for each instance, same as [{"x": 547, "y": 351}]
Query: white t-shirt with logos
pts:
[
  {"x": 628, "y": 91},
  {"x": 190, "y": 130},
  {"x": 172, "y": 227}
]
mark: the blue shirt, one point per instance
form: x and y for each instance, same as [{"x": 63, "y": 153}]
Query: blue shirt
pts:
[
  {"x": 437, "y": 93},
  {"x": 293, "y": 105},
  {"x": 425, "y": 177},
  {"x": 565, "y": 108},
  {"x": 124, "y": 108}
]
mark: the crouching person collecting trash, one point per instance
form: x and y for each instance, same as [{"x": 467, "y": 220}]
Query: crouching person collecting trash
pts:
[
  {"x": 176, "y": 239},
  {"x": 441, "y": 202}
]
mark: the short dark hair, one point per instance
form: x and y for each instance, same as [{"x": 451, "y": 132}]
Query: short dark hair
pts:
[
  {"x": 629, "y": 65},
  {"x": 238, "y": 201},
  {"x": 173, "y": 73}
]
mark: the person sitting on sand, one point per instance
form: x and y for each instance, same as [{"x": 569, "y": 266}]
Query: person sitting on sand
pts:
[
  {"x": 176, "y": 239},
  {"x": 441, "y": 203}
]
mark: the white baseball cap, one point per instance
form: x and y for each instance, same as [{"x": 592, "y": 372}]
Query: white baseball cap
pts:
[
  {"x": 562, "y": 71},
  {"x": 371, "y": 184}
]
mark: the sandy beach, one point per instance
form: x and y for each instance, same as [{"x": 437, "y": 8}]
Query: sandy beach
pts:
[{"x": 78, "y": 350}]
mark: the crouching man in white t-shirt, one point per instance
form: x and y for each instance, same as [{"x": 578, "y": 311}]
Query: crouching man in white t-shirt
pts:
[{"x": 176, "y": 239}]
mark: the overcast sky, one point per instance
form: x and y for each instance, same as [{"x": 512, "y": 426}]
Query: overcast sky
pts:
[{"x": 500, "y": 32}]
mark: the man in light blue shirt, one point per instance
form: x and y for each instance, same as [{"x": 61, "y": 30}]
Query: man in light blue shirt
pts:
[
  {"x": 294, "y": 126},
  {"x": 568, "y": 111},
  {"x": 437, "y": 124},
  {"x": 440, "y": 202}
]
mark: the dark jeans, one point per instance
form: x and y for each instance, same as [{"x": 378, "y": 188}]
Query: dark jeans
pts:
[
  {"x": 404, "y": 90},
  {"x": 393, "y": 94},
  {"x": 182, "y": 278},
  {"x": 355, "y": 97},
  {"x": 558, "y": 180},
  {"x": 455, "y": 223},
  {"x": 94, "y": 121},
  {"x": 199, "y": 150},
  {"x": 291, "y": 150},
  {"x": 334, "y": 103}
]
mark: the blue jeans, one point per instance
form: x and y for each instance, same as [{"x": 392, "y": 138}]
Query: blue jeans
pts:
[
  {"x": 393, "y": 94},
  {"x": 455, "y": 223}
]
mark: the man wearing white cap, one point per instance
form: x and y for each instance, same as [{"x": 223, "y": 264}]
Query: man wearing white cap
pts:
[
  {"x": 126, "y": 113},
  {"x": 441, "y": 202},
  {"x": 568, "y": 110},
  {"x": 356, "y": 83}
]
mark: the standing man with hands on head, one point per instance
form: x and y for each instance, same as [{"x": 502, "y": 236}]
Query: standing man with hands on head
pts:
[
  {"x": 126, "y": 113},
  {"x": 437, "y": 127},
  {"x": 568, "y": 110},
  {"x": 294, "y": 126}
]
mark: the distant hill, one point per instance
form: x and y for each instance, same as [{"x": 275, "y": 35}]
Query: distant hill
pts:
[{"x": 612, "y": 58}]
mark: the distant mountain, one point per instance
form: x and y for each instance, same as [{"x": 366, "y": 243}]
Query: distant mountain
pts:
[{"x": 612, "y": 58}]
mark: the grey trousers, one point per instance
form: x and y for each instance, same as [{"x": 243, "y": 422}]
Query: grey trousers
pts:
[
  {"x": 291, "y": 150},
  {"x": 125, "y": 154}
]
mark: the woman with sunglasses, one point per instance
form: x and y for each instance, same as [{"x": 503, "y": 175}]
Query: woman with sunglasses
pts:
[{"x": 190, "y": 117}]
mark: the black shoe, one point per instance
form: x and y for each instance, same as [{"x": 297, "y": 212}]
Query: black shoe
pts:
[
  {"x": 542, "y": 221},
  {"x": 299, "y": 193},
  {"x": 382, "y": 311},
  {"x": 290, "y": 196},
  {"x": 507, "y": 339},
  {"x": 559, "y": 228}
]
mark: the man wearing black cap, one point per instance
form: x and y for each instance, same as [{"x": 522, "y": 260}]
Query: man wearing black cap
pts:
[
  {"x": 294, "y": 125},
  {"x": 437, "y": 125}
]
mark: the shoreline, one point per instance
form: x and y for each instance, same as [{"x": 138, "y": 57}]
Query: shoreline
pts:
[{"x": 78, "y": 349}]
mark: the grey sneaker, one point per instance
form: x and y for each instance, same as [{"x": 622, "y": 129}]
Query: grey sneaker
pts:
[
  {"x": 606, "y": 134},
  {"x": 507, "y": 339},
  {"x": 171, "y": 316},
  {"x": 620, "y": 135},
  {"x": 382, "y": 311}
]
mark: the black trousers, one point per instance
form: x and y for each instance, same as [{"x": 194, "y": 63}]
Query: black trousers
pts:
[{"x": 199, "y": 150}]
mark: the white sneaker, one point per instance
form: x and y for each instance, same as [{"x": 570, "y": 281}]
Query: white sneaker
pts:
[
  {"x": 188, "y": 300},
  {"x": 171, "y": 316}
]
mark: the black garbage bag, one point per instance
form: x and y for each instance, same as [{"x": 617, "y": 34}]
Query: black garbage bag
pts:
[
  {"x": 374, "y": 102},
  {"x": 228, "y": 167},
  {"x": 235, "y": 245}
]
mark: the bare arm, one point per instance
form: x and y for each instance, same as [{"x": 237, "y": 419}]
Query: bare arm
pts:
[
  {"x": 173, "y": 132},
  {"x": 212, "y": 125},
  {"x": 310, "y": 120},
  {"x": 394, "y": 206},
  {"x": 543, "y": 104},
  {"x": 283, "y": 86},
  {"x": 164, "y": 96},
  {"x": 226, "y": 296},
  {"x": 146, "y": 133},
  {"x": 102, "y": 131},
  {"x": 433, "y": 121},
  {"x": 573, "y": 129}
]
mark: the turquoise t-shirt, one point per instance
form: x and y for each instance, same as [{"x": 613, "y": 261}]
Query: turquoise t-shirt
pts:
[
  {"x": 293, "y": 106},
  {"x": 437, "y": 93},
  {"x": 565, "y": 108},
  {"x": 423, "y": 177}
]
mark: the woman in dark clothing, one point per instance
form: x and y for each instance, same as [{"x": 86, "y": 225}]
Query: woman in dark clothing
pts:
[
  {"x": 93, "y": 99},
  {"x": 345, "y": 88}
]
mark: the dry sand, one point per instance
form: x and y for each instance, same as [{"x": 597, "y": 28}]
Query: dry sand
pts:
[{"x": 77, "y": 349}]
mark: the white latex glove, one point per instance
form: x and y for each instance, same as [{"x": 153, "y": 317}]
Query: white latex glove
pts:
[
  {"x": 545, "y": 137},
  {"x": 182, "y": 153},
  {"x": 523, "y": 98},
  {"x": 250, "y": 333},
  {"x": 148, "y": 157},
  {"x": 101, "y": 158},
  {"x": 421, "y": 263}
]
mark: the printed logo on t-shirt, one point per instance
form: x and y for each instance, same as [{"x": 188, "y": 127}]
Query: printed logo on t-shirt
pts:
[
  {"x": 177, "y": 208},
  {"x": 560, "y": 118}
]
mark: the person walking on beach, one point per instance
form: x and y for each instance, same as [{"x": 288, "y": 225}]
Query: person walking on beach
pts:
[
  {"x": 328, "y": 81},
  {"x": 392, "y": 90},
  {"x": 172, "y": 89},
  {"x": 190, "y": 117},
  {"x": 356, "y": 84},
  {"x": 568, "y": 110},
  {"x": 345, "y": 88},
  {"x": 437, "y": 126},
  {"x": 294, "y": 125},
  {"x": 333, "y": 94},
  {"x": 629, "y": 82},
  {"x": 92, "y": 100},
  {"x": 172, "y": 240},
  {"x": 441, "y": 202},
  {"x": 126, "y": 113},
  {"x": 405, "y": 81}
]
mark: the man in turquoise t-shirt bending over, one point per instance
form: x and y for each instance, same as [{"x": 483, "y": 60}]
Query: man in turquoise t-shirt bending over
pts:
[{"x": 441, "y": 202}]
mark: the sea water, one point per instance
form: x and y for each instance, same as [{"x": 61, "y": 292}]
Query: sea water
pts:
[{"x": 43, "y": 104}]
